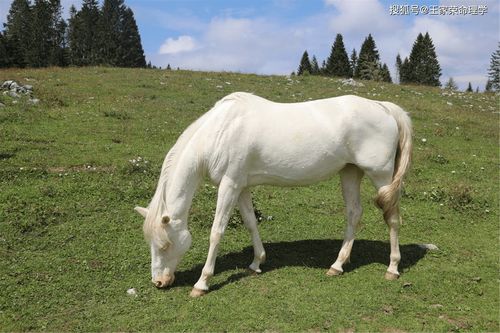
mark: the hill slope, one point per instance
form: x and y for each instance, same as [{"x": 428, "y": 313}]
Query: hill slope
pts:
[{"x": 73, "y": 166}]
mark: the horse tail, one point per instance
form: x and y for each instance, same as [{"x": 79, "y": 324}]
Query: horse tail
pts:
[{"x": 388, "y": 196}]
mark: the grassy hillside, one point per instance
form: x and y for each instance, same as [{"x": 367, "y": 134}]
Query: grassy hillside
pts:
[{"x": 73, "y": 167}]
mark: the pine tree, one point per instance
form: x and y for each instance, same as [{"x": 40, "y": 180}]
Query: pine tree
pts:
[
  {"x": 405, "y": 73},
  {"x": 17, "y": 33},
  {"x": 494, "y": 71},
  {"x": 57, "y": 35},
  {"x": 386, "y": 74},
  {"x": 354, "y": 61},
  {"x": 469, "y": 88},
  {"x": 423, "y": 66},
  {"x": 41, "y": 39},
  {"x": 337, "y": 63},
  {"x": 314, "y": 66},
  {"x": 74, "y": 27},
  {"x": 488, "y": 87},
  {"x": 368, "y": 61},
  {"x": 4, "y": 58},
  {"x": 399, "y": 64},
  {"x": 132, "y": 54},
  {"x": 109, "y": 32},
  {"x": 451, "y": 85},
  {"x": 83, "y": 34},
  {"x": 305, "y": 65}
]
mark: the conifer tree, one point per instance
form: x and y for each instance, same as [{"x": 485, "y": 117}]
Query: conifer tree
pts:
[
  {"x": 368, "y": 61},
  {"x": 57, "y": 35},
  {"x": 405, "y": 73},
  {"x": 423, "y": 66},
  {"x": 451, "y": 85},
  {"x": 83, "y": 34},
  {"x": 488, "y": 87},
  {"x": 305, "y": 65},
  {"x": 354, "y": 61},
  {"x": 385, "y": 73},
  {"x": 314, "y": 66},
  {"x": 4, "y": 59},
  {"x": 74, "y": 27},
  {"x": 17, "y": 34},
  {"x": 469, "y": 88},
  {"x": 494, "y": 71},
  {"x": 337, "y": 63},
  {"x": 132, "y": 54},
  {"x": 41, "y": 39},
  {"x": 109, "y": 33},
  {"x": 399, "y": 64}
]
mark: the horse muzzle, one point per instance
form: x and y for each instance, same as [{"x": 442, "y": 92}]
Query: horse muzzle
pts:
[{"x": 164, "y": 281}]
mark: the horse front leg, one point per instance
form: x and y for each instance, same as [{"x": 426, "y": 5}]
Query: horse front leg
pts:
[
  {"x": 227, "y": 197},
  {"x": 248, "y": 214},
  {"x": 350, "y": 177}
]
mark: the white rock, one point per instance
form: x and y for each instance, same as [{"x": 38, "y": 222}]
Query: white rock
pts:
[
  {"x": 13, "y": 94},
  {"x": 33, "y": 101},
  {"x": 430, "y": 247},
  {"x": 6, "y": 84},
  {"x": 13, "y": 86},
  {"x": 132, "y": 292}
]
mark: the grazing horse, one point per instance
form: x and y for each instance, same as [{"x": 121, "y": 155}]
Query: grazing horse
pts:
[{"x": 246, "y": 140}]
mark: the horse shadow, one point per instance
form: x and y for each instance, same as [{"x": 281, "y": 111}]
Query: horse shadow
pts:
[{"x": 313, "y": 253}]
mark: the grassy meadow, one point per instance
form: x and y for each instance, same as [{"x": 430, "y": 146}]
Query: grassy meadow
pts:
[{"x": 73, "y": 167}]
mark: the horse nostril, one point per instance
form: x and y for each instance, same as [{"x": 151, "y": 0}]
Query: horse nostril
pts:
[{"x": 158, "y": 284}]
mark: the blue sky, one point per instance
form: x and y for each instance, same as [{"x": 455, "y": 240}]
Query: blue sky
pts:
[{"x": 269, "y": 37}]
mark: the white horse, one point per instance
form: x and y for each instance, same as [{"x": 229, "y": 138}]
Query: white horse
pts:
[{"x": 246, "y": 140}]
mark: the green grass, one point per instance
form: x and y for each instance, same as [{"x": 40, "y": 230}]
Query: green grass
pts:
[{"x": 71, "y": 244}]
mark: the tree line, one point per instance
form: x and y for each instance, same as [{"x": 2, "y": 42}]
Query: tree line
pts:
[
  {"x": 36, "y": 35},
  {"x": 366, "y": 65},
  {"x": 421, "y": 67}
]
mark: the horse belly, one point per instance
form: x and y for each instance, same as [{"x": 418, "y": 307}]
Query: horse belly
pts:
[{"x": 296, "y": 162}]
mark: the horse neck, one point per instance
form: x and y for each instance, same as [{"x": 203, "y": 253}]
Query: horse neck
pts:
[{"x": 179, "y": 185}]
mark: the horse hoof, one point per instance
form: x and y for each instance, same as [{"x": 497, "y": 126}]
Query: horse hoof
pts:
[
  {"x": 253, "y": 272},
  {"x": 197, "y": 292},
  {"x": 333, "y": 272},
  {"x": 391, "y": 276}
]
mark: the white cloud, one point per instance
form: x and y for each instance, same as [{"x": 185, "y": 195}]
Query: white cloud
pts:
[
  {"x": 179, "y": 20},
  {"x": 367, "y": 16},
  {"x": 240, "y": 44},
  {"x": 179, "y": 45}
]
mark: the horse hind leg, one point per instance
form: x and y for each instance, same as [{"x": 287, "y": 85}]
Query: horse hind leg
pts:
[
  {"x": 392, "y": 218},
  {"x": 350, "y": 177},
  {"x": 248, "y": 214}
]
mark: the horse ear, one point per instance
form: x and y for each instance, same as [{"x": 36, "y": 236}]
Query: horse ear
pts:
[
  {"x": 142, "y": 211},
  {"x": 165, "y": 219}
]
